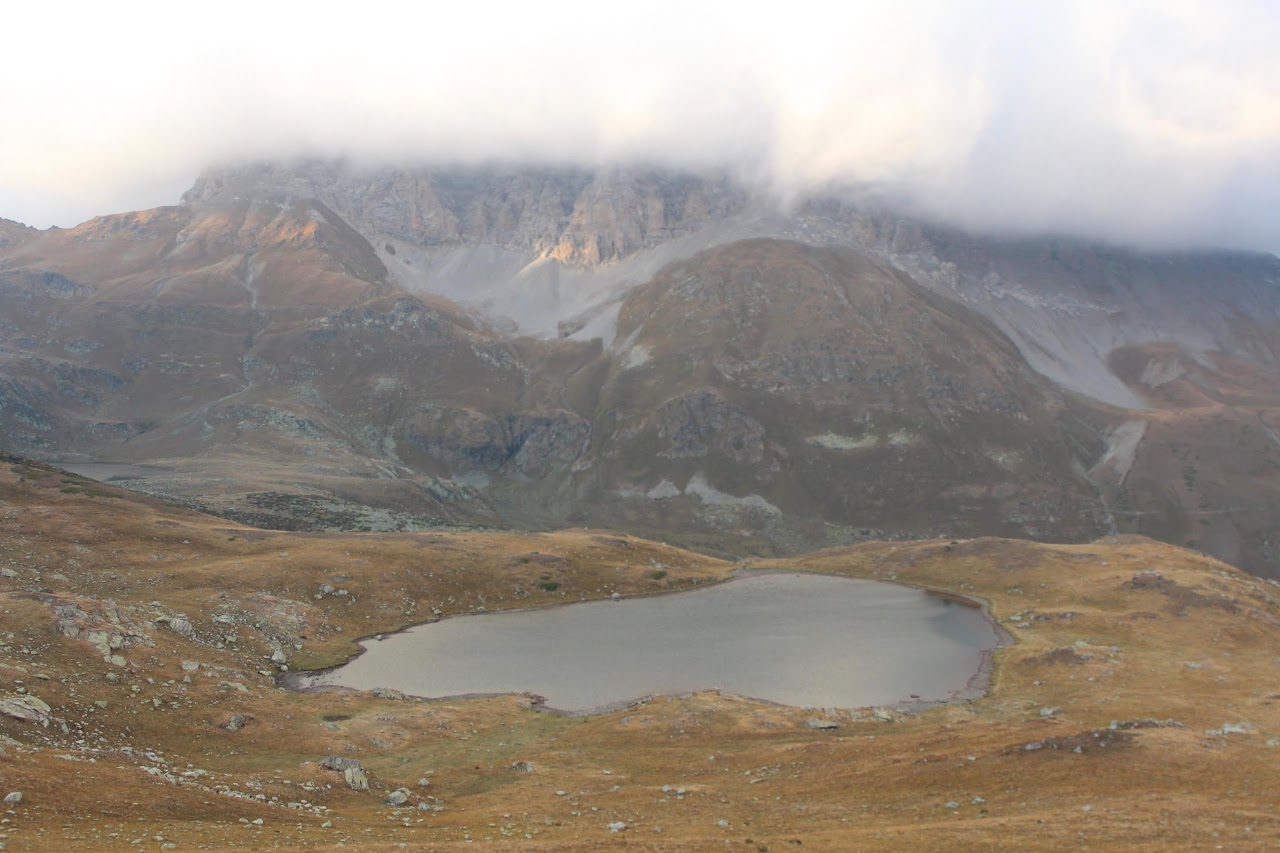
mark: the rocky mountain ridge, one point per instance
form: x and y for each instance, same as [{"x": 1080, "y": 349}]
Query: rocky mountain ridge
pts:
[{"x": 658, "y": 351}]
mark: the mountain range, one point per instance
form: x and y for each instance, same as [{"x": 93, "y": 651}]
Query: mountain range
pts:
[{"x": 323, "y": 345}]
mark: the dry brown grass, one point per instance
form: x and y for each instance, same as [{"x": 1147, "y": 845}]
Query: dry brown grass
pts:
[{"x": 1103, "y": 642}]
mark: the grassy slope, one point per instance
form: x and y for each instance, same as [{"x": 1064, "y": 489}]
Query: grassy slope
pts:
[{"x": 1121, "y": 655}]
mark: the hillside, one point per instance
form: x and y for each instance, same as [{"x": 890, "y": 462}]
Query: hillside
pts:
[{"x": 148, "y": 631}]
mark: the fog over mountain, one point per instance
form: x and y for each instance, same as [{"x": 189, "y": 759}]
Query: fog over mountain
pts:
[{"x": 1144, "y": 122}]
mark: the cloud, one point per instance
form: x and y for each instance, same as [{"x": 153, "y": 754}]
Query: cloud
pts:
[{"x": 1143, "y": 121}]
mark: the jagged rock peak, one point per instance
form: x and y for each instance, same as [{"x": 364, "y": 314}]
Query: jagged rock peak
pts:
[{"x": 580, "y": 217}]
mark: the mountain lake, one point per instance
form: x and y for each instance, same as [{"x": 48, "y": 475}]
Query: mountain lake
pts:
[{"x": 791, "y": 638}]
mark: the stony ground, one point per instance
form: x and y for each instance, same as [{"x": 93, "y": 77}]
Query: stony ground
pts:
[{"x": 139, "y": 710}]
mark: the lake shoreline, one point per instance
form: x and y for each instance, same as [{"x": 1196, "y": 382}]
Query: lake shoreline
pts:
[{"x": 976, "y": 685}]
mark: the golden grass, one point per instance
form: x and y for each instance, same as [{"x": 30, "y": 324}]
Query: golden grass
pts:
[{"x": 1099, "y": 646}]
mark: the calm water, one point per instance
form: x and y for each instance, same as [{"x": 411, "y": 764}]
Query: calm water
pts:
[
  {"x": 105, "y": 472},
  {"x": 797, "y": 639}
]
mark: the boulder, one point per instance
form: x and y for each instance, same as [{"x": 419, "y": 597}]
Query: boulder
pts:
[
  {"x": 339, "y": 763},
  {"x": 182, "y": 627},
  {"x": 28, "y": 709},
  {"x": 356, "y": 779}
]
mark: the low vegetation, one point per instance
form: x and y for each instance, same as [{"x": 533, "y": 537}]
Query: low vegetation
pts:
[{"x": 1132, "y": 709}]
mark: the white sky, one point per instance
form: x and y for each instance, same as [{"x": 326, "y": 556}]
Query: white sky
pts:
[{"x": 1145, "y": 121}]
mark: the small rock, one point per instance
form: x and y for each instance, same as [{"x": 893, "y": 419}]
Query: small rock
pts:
[
  {"x": 617, "y": 596},
  {"x": 722, "y": 823},
  {"x": 1048, "y": 712},
  {"x": 398, "y": 797},
  {"x": 13, "y": 798},
  {"x": 236, "y": 723},
  {"x": 951, "y": 804},
  {"x": 278, "y": 657},
  {"x": 190, "y": 666},
  {"x": 424, "y": 782},
  {"x": 617, "y": 826}
]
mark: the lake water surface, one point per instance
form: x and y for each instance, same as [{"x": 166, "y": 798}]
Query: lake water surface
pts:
[
  {"x": 796, "y": 639},
  {"x": 106, "y": 472}
]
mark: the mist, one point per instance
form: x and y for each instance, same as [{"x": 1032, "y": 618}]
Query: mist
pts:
[{"x": 1143, "y": 122}]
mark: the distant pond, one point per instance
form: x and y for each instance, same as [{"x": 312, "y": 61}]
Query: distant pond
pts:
[
  {"x": 793, "y": 638},
  {"x": 107, "y": 472}
]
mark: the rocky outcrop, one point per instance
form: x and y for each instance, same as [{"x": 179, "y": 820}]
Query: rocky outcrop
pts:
[
  {"x": 103, "y": 624},
  {"x": 533, "y": 444},
  {"x": 695, "y": 422},
  {"x": 33, "y": 284}
]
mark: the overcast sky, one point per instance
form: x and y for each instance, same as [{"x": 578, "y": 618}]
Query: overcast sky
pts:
[{"x": 1145, "y": 121}]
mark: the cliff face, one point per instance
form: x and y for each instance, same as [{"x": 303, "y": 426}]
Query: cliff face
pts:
[{"x": 578, "y": 217}]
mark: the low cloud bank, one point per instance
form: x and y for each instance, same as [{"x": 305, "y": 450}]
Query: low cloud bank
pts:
[{"x": 1155, "y": 123}]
